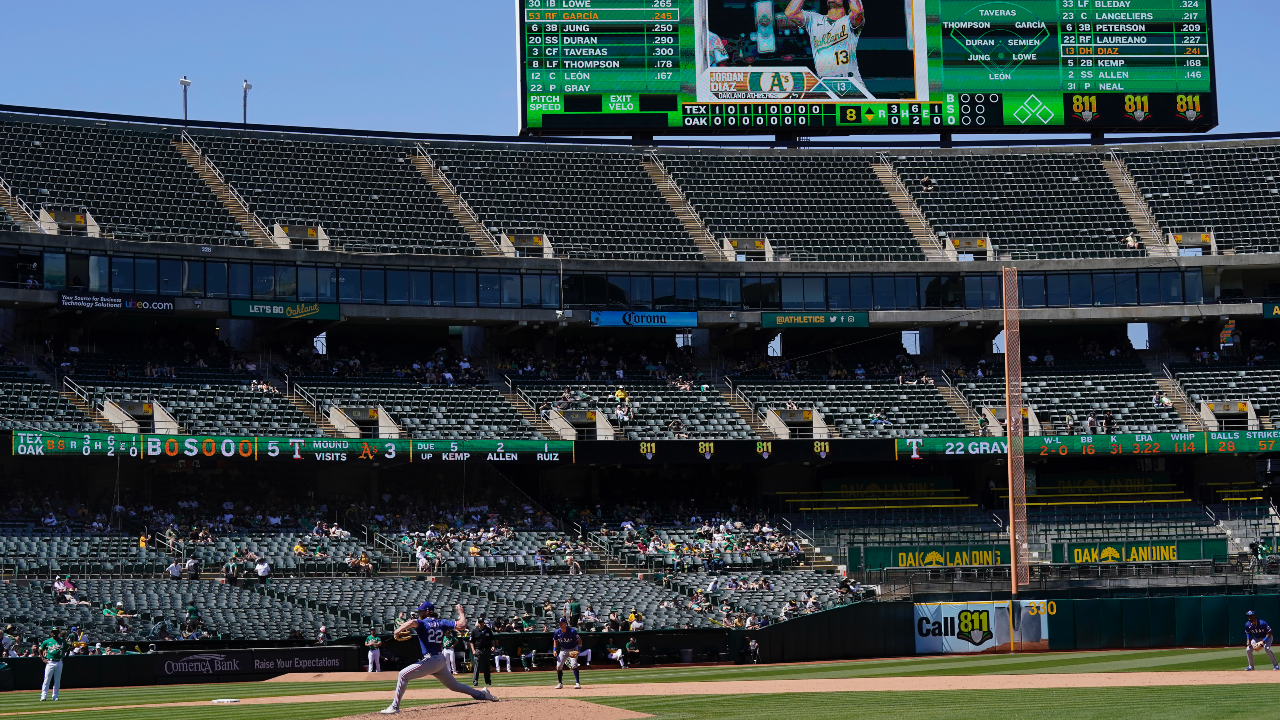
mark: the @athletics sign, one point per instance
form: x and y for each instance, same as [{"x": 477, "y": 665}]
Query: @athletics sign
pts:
[
  {"x": 618, "y": 318},
  {"x": 284, "y": 311},
  {"x": 814, "y": 320}
]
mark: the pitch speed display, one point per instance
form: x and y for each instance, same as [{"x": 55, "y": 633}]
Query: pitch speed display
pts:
[{"x": 837, "y": 67}]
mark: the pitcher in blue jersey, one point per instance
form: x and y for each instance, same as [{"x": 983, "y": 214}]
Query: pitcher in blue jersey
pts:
[{"x": 429, "y": 631}]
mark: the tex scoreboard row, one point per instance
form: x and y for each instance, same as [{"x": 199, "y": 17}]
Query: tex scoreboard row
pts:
[{"x": 787, "y": 67}]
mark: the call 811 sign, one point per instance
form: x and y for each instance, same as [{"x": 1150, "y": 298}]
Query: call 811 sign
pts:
[{"x": 839, "y": 67}]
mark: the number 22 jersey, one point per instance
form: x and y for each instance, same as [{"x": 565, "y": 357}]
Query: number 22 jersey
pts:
[{"x": 431, "y": 635}]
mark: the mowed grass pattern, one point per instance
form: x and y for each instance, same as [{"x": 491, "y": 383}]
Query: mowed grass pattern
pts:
[{"x": 677, "y": 706}]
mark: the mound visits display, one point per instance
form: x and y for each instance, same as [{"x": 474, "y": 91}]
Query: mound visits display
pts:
[{"x": 837, "y": 67}]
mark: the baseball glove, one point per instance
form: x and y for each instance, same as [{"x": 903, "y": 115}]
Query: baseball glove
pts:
[
  {"x": 573, "y": 654},
  {"x": 403, "y": 635},
  {"x": 1258, "y": 644}
]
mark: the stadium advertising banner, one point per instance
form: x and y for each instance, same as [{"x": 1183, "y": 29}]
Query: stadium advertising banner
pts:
[
  {"x": 149, "y": 304},
  {"x": 284, "y": 310},
  {"x": 839, "y": 67},
  {"x": 620, "y": 318},
  {"x": 878, "y": 558},
  {"x": 328, "y": 450},
  {"x": 983, "y": 627},
  {"x": 1199, "y": 443},
  {"x": 815, "y": 320}
]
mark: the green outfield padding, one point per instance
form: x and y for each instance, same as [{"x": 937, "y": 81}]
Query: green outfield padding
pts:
[
  {"x": 1163, "y": 623},
  {"x": 1088, "y": 625},
  {"x": 1062, "y": 626},
  {"x": 1136, "y": 616},
  {"x": 1111, "y": 623},
  {"x": 1213, "y": 620},
  {"x": 1188, "y": 627}
]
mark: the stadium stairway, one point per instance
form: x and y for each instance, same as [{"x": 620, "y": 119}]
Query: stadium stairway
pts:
[
  {"x": 1170, "y": 388},
  {"x": 88, "y": 408},
  {"x": 230, "y": 199},
  {"x": 1139, "y": 213},
  {"x": 311, "y": 414},
  {"x": 17, "y": 209},
  {"x": 744, "y": 410},
  {"x": 461, "y": 210},
  {"x": 961, "y": 409},
  {"x": 919, "y": 224},
  {"x": 528, "y": 412},
  {"x": 671, "y": 192}
]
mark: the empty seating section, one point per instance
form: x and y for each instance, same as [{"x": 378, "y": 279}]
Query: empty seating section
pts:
[
  {"x": 216, "y": 409},
  {"x": 1231, "y": 191},
  {"x": 32, "y": 611},
  {"x": 810, "y": 206},
  {"x": 849, "y": 406},
  {"x": 134, "y": 183},
  {"x": 381, "y": 600},
  {"x": 27, "y": 403},
  {"x": 88, "y": 368},
  {"x": 227, "y": 611},
  {"x": 590, "y": 204},
  {"x": 654, "y": 407},
  {"x": 25, "y": 553},
  {"x": 1128, "y": 396},
  {"x": 528, "y": 593},
  {"x": 7, "y": 223},
  {"x": 434, "y": 412},
  {"x": 367, "y": 196},
  {"x": 1031, "y": 206},
  {"x": 1259, "y": 385}
]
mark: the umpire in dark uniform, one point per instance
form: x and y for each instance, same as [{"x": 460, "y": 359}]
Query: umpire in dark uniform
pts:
[{"x": 481, "y": 652}]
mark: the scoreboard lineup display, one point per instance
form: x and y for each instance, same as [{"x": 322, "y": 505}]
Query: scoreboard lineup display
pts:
[{"x": 837, "y": 67}]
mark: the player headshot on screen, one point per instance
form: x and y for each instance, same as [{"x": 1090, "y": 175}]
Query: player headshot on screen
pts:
[{"x": 833, "y": 38}]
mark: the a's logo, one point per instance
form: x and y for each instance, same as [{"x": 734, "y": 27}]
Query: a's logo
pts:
[{"x": 915, "y": 447}]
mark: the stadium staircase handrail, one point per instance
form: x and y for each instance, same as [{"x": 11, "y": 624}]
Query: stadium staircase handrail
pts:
[
  {"x": 464, "y": 206},
  {"x": 916, "y": 213},
  {"x": 955, "y": 393},
  {"x": 235, "y": 195},
  {"x": 1180, "y": 394},
  {"x": 22, "y": 205},
  {"x": 1137, "y": 193},
  {"x": 674, "y": 187}
]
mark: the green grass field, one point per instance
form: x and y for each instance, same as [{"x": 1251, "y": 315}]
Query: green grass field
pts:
[{"x": 1164, "y": 702}]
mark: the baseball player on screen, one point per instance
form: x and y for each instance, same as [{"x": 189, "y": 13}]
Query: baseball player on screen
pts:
[
  {"x": 834, "y": 38},
  {"x": 1258, "y": 637},
  {"x": 567, "y": 645},
  {"x": 430, "y": 631}
]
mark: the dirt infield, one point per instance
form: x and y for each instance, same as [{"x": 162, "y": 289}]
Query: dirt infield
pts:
[
  {"x": 520, "y": 709},
  {"x": 425, "y": 691}
]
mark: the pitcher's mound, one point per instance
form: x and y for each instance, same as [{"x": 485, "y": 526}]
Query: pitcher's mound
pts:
[{"x": 514, "y": 709}]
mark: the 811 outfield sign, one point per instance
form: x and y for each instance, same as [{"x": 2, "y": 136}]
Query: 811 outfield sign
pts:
[{"x": 195, "y": 447}]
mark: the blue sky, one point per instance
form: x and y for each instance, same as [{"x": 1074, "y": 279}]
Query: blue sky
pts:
[{"x": 428, "y": 66}]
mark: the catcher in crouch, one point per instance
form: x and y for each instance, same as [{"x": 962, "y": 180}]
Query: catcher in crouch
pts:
[
  {"x": 567, "y": 645},
  {"x": 1258, "y": 637},
  {"x": 430, "y": 631}
]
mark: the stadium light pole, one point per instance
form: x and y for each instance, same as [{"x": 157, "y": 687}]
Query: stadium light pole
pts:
[
  {"x": 185, "y": 83},
  {"x": 245, "y": 104}
]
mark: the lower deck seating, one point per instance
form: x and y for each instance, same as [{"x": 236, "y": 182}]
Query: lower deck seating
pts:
[
  {"x": 655, "y": 406},
  {"x": 459, "y": 413},
  {"x": 217, "y": 409},
  {"x": 29, "y": 403},
  {"x": 383, "y": 600},
  {"x": 1063, "y": 403},
  {"x": 602, "y": 593},
  {"x": 850, "y": 406}
]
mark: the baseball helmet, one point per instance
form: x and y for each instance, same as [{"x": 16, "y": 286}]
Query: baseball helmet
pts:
[{"x": 426, "y": 606}]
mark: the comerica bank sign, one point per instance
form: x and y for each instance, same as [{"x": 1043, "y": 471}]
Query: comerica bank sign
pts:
[{"x": 619, "y": 318}]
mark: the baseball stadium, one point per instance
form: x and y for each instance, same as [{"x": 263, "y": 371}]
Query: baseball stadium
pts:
[{"x": 905, "y": 358}]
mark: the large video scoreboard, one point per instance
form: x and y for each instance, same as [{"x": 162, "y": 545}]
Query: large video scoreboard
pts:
[{"x": 836, "y": 67}]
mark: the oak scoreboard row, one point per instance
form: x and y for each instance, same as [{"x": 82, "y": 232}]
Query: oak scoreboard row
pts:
[{"x": 837, "y": 67}]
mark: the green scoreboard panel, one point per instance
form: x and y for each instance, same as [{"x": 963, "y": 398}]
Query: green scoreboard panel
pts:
[{"x": 840, "y": 67}]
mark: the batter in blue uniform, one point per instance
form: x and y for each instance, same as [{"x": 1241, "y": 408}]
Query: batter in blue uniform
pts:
[
  {"x": 567, "y": 646},
  {"x": 429, "y": 631},
  {"x": 1258, "y": 637}
]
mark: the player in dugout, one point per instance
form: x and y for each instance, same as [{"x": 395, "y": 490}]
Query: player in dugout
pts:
[{"x": 833, "y": 37}]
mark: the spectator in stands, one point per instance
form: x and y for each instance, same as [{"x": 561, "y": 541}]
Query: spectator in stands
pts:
[
  {"x": 323, "y": 637},
  {"x": 1048, "y": 359},
  {"x": 927, "y": 184},
  {"x": 1165, "y": 402},
  {"x": 174, "y": 570},
  {"x": 193, "y": 568},
  {"x": 1132, "y": 241},
  {"x": 677, "y": 428},
  {"x": 263, "y": 568},
  {"x": 545, "y": 411}
]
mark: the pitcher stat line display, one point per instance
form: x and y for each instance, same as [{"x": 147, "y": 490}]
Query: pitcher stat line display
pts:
[{"x": 802, "y": 68}]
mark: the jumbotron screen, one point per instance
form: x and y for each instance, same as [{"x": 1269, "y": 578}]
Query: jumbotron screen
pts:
[{"x": 837, "y": 67}]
